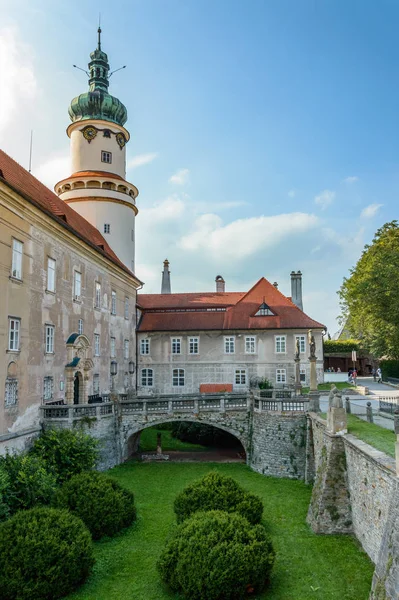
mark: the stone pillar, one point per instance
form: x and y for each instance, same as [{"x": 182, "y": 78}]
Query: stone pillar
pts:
[
  {"x": 298, "y": 385},
  {"x": 347, "y": 405},
  {"x": 336, "y": 416},
  {"x": 159, "y": 443},
  {"x": 314, "y": 402},
  {"x": 369, "y": 413},
  {"x": 313, "y": 374}
]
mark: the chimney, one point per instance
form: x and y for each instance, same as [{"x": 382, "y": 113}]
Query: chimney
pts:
[
  {"x": 296, "y": 288},
  {"x": 165, "y": 287},
  {"x": 220, "y": 284}
]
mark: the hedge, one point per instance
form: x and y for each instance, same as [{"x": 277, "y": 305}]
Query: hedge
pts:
[
  {"x": 217, "y": 492},
  {"x": 336, "y": 346},
  {"x": 217, "y": 556},
  {"x": 44, "y": 554},
  {"x": 101, "y": 502},
  {"x": 389, "y": 368}
]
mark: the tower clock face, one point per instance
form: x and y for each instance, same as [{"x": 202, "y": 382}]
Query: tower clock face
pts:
[
  {"x": 120, "y": 138},
  {"x": 89, "y": 133}
]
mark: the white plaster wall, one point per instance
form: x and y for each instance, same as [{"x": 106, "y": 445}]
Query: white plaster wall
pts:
[
  {"x": 86, "y": 156},
  {"x": 212, "y": 365},
  {"x": 122, "y": 221}
]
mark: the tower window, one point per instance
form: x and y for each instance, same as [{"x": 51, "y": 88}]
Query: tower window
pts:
[
  {"x": 107, "y": 133},
  {"x": 107, "y": 228},
  {"x": 106, "y": 157}
]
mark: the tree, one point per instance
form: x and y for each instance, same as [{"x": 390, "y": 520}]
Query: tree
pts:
[{"x": 369, "y": 296}]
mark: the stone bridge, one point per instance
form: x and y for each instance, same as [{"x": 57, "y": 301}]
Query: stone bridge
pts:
[{"x": 272, "y": 429}]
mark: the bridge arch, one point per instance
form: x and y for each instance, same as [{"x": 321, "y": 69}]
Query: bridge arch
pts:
[{"x": 131, "y": 434}]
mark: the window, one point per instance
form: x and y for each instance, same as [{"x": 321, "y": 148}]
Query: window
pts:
[
  {"x": 48, "y": 388},
  {"x": 250, "y": 345},
  {"x": 16, "y": 268},
  {"x": 96, "y": 344},
  {"x": 50, "y": 275},
  {"x": 176, "y": 345},
  {"x": 106, "y": 157},
  {"x": 145, "y": 346},
  {"x": 107, "y": 228},
  {"x": 264, "y": 311},
  {"x": 97, "y": 297},
  {"x": 302, "y": 343},
  {"x": 80, "y": 326},
  {"x": 193, "y": 345},
  {"x": 77, "y": 284},
  {"x": 113, "y": 303},
  {"x": 126, "y": 307},
  {"x": 126, "y": 349},
  {"x": 302, "y": 375},
  {"x": 96, "y": 383},
  {"x": 11, "y": 393},
  {"x": 14, "y": 326},
  {"x": 281, "y": 376},
  {"x": 229, "y": 343},
  {"x": 280, "y": 342},
  {"x": 147, "y": 377},
  {"x": 50, "y": 338},
  {"x": 178, "y": 377},
  {"x": 112, "y": 347},
  {"x": 241, "y": 377}
]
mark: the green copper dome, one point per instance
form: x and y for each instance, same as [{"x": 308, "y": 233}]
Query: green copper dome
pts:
[{"x": 97, "y": 103}]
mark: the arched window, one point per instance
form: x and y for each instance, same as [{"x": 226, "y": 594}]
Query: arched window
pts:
[
  {"x": 147, "y": 377},
  {"x": 178, "y": 377}
]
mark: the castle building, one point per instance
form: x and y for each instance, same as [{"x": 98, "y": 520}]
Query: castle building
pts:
[
  {"x": 69, "y": 310},
  {"x": 68, "y": 291},
  {"x": 223, "y": 341}
]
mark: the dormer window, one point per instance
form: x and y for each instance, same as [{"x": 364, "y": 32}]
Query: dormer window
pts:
[{"x": 264, "y": 311}]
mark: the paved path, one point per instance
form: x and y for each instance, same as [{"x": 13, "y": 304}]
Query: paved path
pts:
[{"x": 378, "y": 389}]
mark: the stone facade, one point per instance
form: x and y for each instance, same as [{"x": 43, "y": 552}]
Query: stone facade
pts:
[
  {"x": 37, "y": 366},
  {"x": 213, "y": 365}
]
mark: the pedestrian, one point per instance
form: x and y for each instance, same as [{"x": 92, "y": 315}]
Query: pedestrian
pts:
[
  {"x": 379, "y": 375},
  {"x": 374, "y": 373},
  {"x": 354, "y": 375},
  {"x": 350, "y": 375}
]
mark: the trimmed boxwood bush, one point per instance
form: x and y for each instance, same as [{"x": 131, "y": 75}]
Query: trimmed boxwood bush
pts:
[
  {"x": 217, "y": 556},
  {"x": 101, "y": 502},
  {"x": 29, "y": 481},
  {"x": 44, "y": 553},
  {"x": 218, "y": 492},
  {"x": 66, "y": 452}
]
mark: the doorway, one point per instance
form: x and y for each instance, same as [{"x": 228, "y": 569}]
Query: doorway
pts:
[{"x": 77, "y": 387}]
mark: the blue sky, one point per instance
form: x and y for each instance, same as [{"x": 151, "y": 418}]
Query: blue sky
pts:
[{"x": 264, "y": 133}]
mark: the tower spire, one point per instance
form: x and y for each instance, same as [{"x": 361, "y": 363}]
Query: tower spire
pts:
[{"x": 99, "y": 37}]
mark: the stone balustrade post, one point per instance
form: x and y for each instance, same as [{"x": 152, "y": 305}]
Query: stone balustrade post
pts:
[
  {"x": 170, "y": 406},
  {"x": 196, "y": 405},
  {"x": 280, "y": 405},
  {"x": 145, "y": 409},
  {"x": 348, "y": 405},
  {"x": 369, "y": 413},
  {"x": 222, "y": 404},
  {"x": 98, "y": 412}
]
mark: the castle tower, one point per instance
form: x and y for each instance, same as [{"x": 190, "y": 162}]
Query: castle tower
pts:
[{"x": 97, "y": 188}]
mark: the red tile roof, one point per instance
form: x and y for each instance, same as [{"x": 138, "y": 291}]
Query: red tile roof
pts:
[
  {"x": 16, "y": 177},
  {"x": 193, "y": 312}
]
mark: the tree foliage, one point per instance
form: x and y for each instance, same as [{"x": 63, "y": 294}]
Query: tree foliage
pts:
[
  {"x": 337, "y": 346},
  {"x": 369, "y": 296}
]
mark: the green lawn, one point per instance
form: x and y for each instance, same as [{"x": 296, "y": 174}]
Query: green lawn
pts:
[
  {"x": 378, "y": 437},
  {"x": 307, "y": 566},
  {"x": 148, "y": 441},
  {"x": 322, "y": 387}
]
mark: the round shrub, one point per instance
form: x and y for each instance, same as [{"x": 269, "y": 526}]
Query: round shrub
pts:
[
  {"x": 44, "y": 553},
  {"x": 66, "y": 452},
  {"x": 217, "y": 492},
  {"x": 215, "y": 555},
  {"x": 102, "y": 503}
]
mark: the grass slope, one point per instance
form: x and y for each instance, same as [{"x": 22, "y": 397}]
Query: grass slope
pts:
[
  {"x": 148, "y": 441},
  {"x": 375, "y": 435},
  {"x": 307, "y": 566}
]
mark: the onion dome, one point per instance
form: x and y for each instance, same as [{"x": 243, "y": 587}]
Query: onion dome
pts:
[{"x": 97, "y": 103}]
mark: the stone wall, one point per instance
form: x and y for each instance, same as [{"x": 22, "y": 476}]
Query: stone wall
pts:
[{"x": 279, "y": 444}]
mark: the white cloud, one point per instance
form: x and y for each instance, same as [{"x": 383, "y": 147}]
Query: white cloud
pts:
[
  {"x": 244, "y": 237},
  {"x": 325, "y": 198},
  {"x": 18, "y": 81},
  {"x": 180, "y": 177},
  {"x": 169, "y": 209},
  {"x": 352, "y": 179},
  {"x": 141, "y": 159},
  {"x": 53, "y": 170},
  {"x": 370, "y": 211},
  {"x": 292, "y": 193}
]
